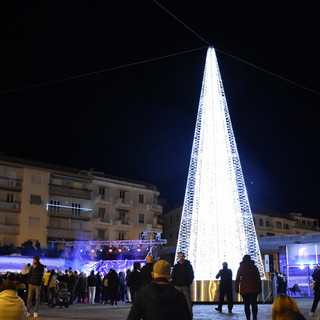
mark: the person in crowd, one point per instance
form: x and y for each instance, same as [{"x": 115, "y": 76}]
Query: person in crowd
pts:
[
  {"x": 285, "y": 308},
  {"x": 97, "y": 298},
  {"x": 105, "y": 289},
  {"x": 45, "y": 290},
  {"x": 35, "y": 280},
  {"x": 159, "y": 299},
  {"x": 225, "y": 287},
  {"x": 92, "y": 283},
  {"x": 82, "y": 287},
  {"x": 24, "y": 278},
  {"x": 135, "y": 280},
  {"x": 282, "y": 283},
  {"x": 122, "y": 286},
  {"x": 113, "y": 286},
  {"x": 72, "y": 284},
  {"x": 248, "y": 284},
  {"x": 316, "y": 278},
  {"x": 12, "y": 307},
  {"x": 52, "y": 281},
  {"x": 182, "y": 277},
  {"x": 128, "y": 294},
  {"x": 146, "y": 271}
]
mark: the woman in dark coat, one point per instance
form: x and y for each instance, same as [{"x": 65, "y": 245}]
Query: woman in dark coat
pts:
[
  {"x": 316, "y": 299},
  {"x": 248, "y": 284},
  {"x": 113, "y": 286}
]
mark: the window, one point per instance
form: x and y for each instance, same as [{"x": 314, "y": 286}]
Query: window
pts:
[
  {"x": 34, "y": 222},
  {"x": 260, "y": 222},
  {"x": 141, "y": 218},
  {"x": 141, "y": 198},
  {"x": 278, "y": 225},
  {"x": 270, "y": 234},
  {"x": 261, "y": 235},
  {"x": 102, "y": 191},
  {"x": 101, "y": 212},
  {"x": 122, "y": 194},
  {"x": 101, "y": 234},
  {"x": 35, "y": 199},
  {"x": 285, "y": 226},
  {"x": 37, "y": 178},
  {"x": 123, "y": 216},
  {"x": 268, "y": 223},
  {"x": 54, "y": 206},
  {"x": 76, "y": 208},
  {"x": 122, "y": 235},
  {"x": 10, "y": 197}
]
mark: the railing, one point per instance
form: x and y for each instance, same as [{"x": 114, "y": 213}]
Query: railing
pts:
[
  {"x": 104, "y": 199},
  {"x": 67, "y": 233},
  {"x": 9, "y": 228},
  {"x": 154, "y": 207},
  {"x": 14, "y": 184},
  {"x": 12, "y": 206},
  {"x": 69, "y": 192},
  {"x": 123, "y": 223},
  {"x": 124, "y": 202},
  {"x": 69, "y": 212},
  {"x": 102, "y": 221}
]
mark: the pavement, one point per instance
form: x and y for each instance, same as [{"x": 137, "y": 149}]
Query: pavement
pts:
[{"x": 200, "y": 311}]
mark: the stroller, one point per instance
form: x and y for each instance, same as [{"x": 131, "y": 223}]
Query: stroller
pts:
[{"x": 62, "y": 296}]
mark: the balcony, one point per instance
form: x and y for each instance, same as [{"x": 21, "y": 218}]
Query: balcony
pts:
[
  {"x": 73, "y": 213},
  {"x": 10, "y": 184},
  {"x": 10, "y": 206},
  {"x": 69, "y": 192},
  {"x": 153, "y": 227},
  {"x": 124, "y": 203},
  {"x": 5, "y": 228},
  {"x": 68, "y": 233},
  {"x": 123, "y": 223},
  {"x": 154, "y": 207},
  {"x": 102, "y": 221},
  {"x": 104, "y": 199}
]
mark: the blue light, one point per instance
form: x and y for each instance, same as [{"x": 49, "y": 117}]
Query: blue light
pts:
[{"x": 68, "y": 207}]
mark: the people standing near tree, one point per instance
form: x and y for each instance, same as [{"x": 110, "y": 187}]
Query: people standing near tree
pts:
[
  {"x": 146, "y": 271},
  {"x": 92, "y": 282},
  {"x": 316, "y": 278},
  {"x": 225, "y": 287},
  {"x": 160, "y": 300},
  {"x": 35, "y": 280},
  {"x": 182, "y": 277},
  {"x": 248, "y": 284}
]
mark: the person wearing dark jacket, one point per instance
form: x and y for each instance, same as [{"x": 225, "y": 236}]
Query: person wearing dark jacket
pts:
[
  {"x": 182, "y": 277},
  {"x": 35, "y": 279},
  {"x": 159, "y": 299},
  {"x": 146, "y": 271},
  {"x": 135, "y": 280},
  {"x": 92, "y": 283},
  {"x": 225, "y": 287},
  {"x": 316, "y": 278},
  {"x": 248, "y": 284},
  {"x": 113, "y": 286}
]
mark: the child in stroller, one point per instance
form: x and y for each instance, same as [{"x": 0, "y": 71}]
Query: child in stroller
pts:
[{"x": 62, "y": 296}]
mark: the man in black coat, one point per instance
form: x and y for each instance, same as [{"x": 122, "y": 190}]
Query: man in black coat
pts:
[
  {"x": 159, "y": 299},
  {"x": 182, "y": 277},
  {"x": 146, "y": 271},
  {"x": 35, "y": 279},
  {"x": 225, "y": 287},
  {"x": 316, "y": 278}
]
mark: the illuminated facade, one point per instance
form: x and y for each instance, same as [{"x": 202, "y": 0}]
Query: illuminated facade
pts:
[{"x": 216, "y": 223}]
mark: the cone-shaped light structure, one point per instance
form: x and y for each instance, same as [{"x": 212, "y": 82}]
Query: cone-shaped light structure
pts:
[{"x": 216, "y": 223}]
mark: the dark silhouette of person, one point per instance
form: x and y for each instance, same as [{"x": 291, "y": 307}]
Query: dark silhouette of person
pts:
[
  {"x": 248, "y": 284},
  {"x": 316, "y": 278},
  {"x": 225, "y": 287}
]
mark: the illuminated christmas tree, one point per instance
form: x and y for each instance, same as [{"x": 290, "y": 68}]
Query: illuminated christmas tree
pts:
[{"x": 216, "y": 223}]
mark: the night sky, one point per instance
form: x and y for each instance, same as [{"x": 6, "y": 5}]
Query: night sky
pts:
[{"x": 74, "y": 90}]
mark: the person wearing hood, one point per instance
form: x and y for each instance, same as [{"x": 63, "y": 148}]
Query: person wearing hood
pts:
[
  {"x": 159, "y": 299},
  {"x": 12, "y": 306},
  {"x": 248, "y": 284}
]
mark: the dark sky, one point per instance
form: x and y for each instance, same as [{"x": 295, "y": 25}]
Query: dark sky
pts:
[{"x": 137, "y": 119}]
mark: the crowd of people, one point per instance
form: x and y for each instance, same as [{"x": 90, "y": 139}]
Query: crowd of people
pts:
[{"x": 155, "y": 290}]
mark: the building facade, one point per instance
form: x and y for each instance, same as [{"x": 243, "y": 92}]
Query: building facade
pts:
[{"x": 48, "y": 203}]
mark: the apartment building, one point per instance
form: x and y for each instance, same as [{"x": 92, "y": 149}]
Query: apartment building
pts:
[
  {"x": 48, "y": 203},
  {"x": 266, "y": 223}
]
